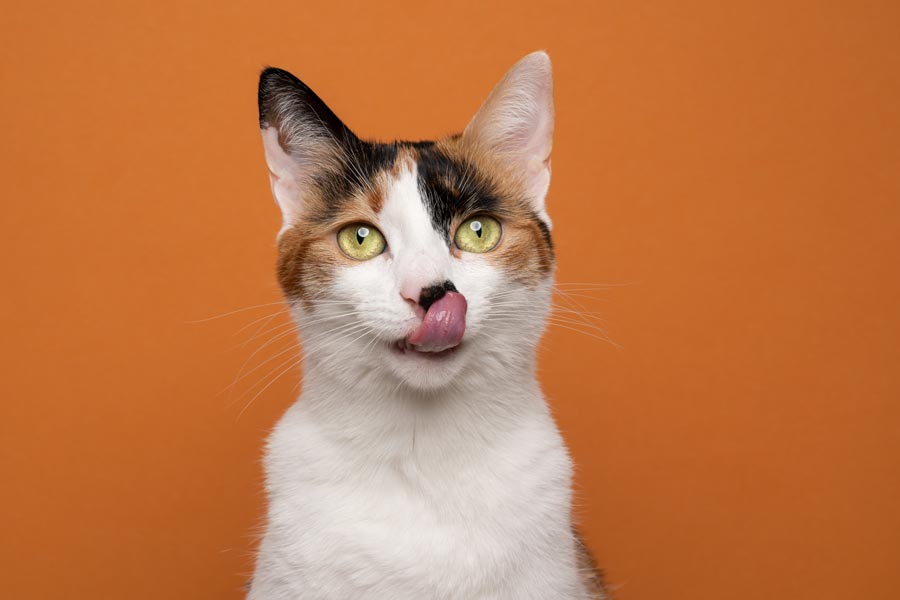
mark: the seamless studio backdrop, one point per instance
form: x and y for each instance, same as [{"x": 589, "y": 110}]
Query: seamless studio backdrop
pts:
[{"x": 730, "y": 170}]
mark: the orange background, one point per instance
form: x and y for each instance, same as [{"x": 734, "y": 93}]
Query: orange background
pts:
[{"x": 735, "y": 165}]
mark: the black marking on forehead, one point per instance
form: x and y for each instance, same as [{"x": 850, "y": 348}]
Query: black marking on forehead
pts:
[
  {"x": 452, "y": 187},
  {"x": 360, "y": 162}
]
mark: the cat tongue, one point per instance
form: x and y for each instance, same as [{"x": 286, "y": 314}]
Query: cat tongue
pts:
[{"x": 443, "y": 325}]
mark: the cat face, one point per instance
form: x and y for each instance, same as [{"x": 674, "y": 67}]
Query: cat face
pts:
[{"x": 414, "y": 262}]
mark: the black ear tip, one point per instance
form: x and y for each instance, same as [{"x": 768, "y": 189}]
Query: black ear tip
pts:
[
  {"x": 283, "y": 97},
  {"x": 272, "y": 83},
  {"x": 273, "y": 76}
]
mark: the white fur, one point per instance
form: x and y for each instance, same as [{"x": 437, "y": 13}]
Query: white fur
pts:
[{"x": 398, "y": 477}]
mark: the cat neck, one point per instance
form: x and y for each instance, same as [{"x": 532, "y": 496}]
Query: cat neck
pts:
[{"x": 368, "y": 410}]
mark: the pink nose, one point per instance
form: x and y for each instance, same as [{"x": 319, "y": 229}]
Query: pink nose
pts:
[{"x": 444, "y": 323}]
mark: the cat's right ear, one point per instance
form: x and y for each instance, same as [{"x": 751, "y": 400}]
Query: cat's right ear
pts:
[
  {"x": 515, "y": 124},
  {"x": 301, "y": 136}
]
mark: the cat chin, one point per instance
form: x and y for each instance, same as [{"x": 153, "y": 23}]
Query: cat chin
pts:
[{"x": 427, "y": 370}]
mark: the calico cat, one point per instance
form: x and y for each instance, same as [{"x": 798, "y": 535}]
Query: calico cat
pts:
[{"x": 420, "y": 461}]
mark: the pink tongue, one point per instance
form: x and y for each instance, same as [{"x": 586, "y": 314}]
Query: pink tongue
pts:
[{"x": 443, "y": 326}]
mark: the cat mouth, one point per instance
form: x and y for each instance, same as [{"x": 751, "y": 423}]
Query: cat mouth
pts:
[
  {"x": 402, "y": 346},
  {"x": 442, "y": 328},
  {"x": 441, "y": 331}
]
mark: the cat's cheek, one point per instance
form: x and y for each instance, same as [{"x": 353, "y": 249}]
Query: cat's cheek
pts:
[
  {"x": 372, "y": 291},
  {"x": 306, "y": 265},
  {"x": 525, "y": 254},
  {"x": 477, "y": 280}
]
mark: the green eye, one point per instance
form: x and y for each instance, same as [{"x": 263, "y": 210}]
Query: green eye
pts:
[
  {"x": 361, "y": 241},
  {"x": 478, "y": 234}
]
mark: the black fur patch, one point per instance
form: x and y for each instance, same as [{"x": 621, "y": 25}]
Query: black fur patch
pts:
[
  {"x": 282, "y": 97},
  {"x": 451, "y": 187},
  {"x": 433, "y": 293},
  {"x": 285, "y": 101},
  {"x": 545, "y": 231},
  {"x": 363, "y": 160}
]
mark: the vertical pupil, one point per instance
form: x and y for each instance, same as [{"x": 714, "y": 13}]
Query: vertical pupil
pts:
[
  {"x": 361, "y": 235},
  {"x": 476, "y": 227}
]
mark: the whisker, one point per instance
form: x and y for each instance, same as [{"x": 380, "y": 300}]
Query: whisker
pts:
[
  {"x": 595, "y": 285},
  {"x": 237, "y": 380},
  {"x": 268, "y": 385},
  {"x": 266, "y": 318},
  {"x": 238, "y": 376},
  {"x": 269, "y": 330},
  {"x": 234, "y": 312}
]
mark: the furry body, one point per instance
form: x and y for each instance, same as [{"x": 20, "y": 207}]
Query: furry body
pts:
[
  {"x": 403, "y": 474},
  {"x": 478, "y": 509}
]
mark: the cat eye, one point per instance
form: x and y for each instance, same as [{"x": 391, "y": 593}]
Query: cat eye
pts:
[
  {"x": 361, "y": 241},
  {"x": 478, "y": 234}
]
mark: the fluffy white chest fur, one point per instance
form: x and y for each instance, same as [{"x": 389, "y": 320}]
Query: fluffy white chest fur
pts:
[{"x": 466, "y": 500}]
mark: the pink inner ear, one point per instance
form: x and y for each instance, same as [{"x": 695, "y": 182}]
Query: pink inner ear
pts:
[
  {"x": 283, "y": 175},
  {"x": 515, "y": 123}
]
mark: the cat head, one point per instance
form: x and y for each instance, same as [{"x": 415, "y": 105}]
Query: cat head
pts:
[{"x": 415, "y": 262}]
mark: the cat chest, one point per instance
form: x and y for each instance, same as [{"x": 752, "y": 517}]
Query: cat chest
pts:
[{"x": 407, "y": 537}]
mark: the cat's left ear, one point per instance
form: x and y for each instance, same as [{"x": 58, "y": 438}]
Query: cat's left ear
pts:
[{"x": 515, "y": 125}]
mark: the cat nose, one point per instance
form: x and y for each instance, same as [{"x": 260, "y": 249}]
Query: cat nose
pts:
[{"x": 432, "y": 293}]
